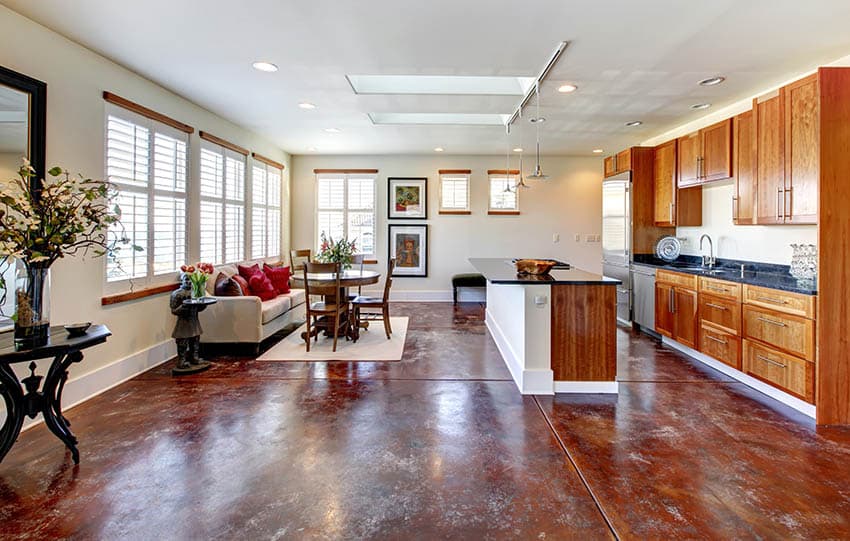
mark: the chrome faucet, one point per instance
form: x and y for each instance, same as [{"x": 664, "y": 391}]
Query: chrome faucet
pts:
[{"x": 707, "y": 261}]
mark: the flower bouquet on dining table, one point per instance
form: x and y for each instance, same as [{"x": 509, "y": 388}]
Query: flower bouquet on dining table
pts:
[{"x": 340, "y": 251}]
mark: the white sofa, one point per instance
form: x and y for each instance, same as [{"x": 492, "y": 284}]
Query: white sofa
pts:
[{"x": 247, "y": 319}]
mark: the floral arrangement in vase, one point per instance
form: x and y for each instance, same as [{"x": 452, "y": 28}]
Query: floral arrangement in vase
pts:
[
  {"x": 198, "y": 275},
  {"x": 340, "y": 251},
  {"x": 42, "y": 222}
]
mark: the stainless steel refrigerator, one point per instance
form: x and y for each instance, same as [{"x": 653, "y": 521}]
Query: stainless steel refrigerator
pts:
[{"x": 617, "y": 238}]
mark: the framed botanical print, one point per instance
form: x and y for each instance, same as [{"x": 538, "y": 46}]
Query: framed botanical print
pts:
[
  {"x": 408, "y": 198},
  {"x": 409, "y": 246}
]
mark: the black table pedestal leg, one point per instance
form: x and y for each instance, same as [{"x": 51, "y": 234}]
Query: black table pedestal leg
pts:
[
  {"x": 52, "y": 401},
  {"x": 13, "y": 397}
]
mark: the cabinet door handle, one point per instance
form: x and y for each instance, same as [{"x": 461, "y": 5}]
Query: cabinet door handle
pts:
[
  {"x": 670, "y": 302},
  {"x": 771, "y": 361},
  {"x": 712, "y": 305},
  {"x": 715, "y": 288},
  {"x": 771, "y": 299},
  {"x": 718, "y": 340},
  {"x": 772, "y": 322},
  {"x": 671, "y": 213},
  {"x": 780, "y": 204},
  {"x": 734, "y": 207},
  {"x": 787, "y": 202}
]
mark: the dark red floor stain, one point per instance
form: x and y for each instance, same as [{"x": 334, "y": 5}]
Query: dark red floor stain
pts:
[{"x": 439, "y": 445}]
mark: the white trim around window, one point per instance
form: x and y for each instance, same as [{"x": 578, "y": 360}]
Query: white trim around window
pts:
[
  {"x": 222, "y": 204},
  {"x": 346, "y": 207},
  {"x": 454, "y": 191},
  {"x": 503, "y": 197},
  {"x": 265, "y": 210}
]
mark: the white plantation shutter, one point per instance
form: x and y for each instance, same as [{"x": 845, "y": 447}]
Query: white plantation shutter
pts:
[
  {"x": 265, "y": 211},
  {"x": 222, "y": 224},
  {"x": 346, "y": 208},
  {"x": 147, "y": 161},
  {"x": 500, "y": 198},
  {"x": 454, "y": 192}
]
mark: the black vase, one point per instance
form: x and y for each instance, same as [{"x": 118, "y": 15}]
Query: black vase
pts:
[{"x": 32, "y": 305}]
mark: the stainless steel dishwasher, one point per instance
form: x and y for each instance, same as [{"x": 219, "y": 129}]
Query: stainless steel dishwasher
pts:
[{"x": 643, "y": 282}]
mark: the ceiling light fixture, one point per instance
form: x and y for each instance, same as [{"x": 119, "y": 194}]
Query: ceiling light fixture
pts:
[
  {"x": 634, "y": 123},
  {"x": 699, "y": 106},
  {"x": 265, "y": 66},
  {"x": 711, "y": 81},
  {"x": 306, "y": 105},
  {"x": 598, "y": 151},
  {"x": 333, "y": 130},
  {"x": 518, "y": 149},
  {"x": 538, "y": 171},
  {"x": 311, "y": 149},
  {"x": 439, "y": 149},
  {"x": 566, "y": 89},
  {"x": 521, "y": 182}
]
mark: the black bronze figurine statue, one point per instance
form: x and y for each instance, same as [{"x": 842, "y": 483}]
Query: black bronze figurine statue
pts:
[{"x": 187, "y": 331}]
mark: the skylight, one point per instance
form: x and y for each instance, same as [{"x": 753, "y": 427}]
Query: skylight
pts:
[
  {"x": 457, "y": 119},
  {"x": 440, "y": 84}
]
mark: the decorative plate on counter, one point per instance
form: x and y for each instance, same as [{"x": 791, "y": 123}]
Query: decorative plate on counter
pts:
[{"x": 668, "y": 248}]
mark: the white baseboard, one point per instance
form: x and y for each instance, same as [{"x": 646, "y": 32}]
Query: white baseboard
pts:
[
  {"x": 78, "y": 390},
  {"x": 527, "y": 381},
  {"x": 803, "y": 407},
  {"x": 587, "y": 387},
  {"x": 464, "y": 294}
]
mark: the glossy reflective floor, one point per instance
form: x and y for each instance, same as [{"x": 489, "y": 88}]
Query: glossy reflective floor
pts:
[{"x": 439, "y": 445}]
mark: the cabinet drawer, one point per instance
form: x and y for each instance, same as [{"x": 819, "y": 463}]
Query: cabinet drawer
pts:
[
  {"x": 721, "y": 345},
  {"x": 791, "y": 374},
  {"x": 793, "y": 334},
  {"x": 721, "y": 312},
  {"x": 720, "y": 288},
  {"x": 677, "y": 279},
  {"x": 783, "y": 301}
]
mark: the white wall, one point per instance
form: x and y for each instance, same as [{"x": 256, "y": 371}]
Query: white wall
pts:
[
  {"x": 567, "y": 204},
  {"x": 769, "y": 244},
  {"x": 76, "y": 78}
]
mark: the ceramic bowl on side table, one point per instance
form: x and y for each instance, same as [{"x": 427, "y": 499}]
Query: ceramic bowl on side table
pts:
[{"x": 75, "y": 330}]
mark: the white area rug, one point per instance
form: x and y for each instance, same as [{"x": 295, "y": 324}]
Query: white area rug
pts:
[{"x": 372, "y": 345}]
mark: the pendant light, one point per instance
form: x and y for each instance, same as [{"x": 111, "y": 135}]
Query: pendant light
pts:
[
  {"x": 538, "y": 171},
  {"x": 521, "y": 182},
  {"x": 508, "y": 160}
]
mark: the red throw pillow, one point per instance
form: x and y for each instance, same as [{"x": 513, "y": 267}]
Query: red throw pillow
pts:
[
  {"x": 279, "y": 276},
  {"x": 248, "y": 272},
  {"x": 243, "y": 284},
  {"x": 262, "y": 287}
]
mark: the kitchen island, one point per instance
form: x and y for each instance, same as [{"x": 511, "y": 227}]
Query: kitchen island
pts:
[{"x": 558, "y": 332}]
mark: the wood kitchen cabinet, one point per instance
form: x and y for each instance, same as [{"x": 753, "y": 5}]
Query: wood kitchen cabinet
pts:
[
  {"x": 674, "y": 206},
  {"x": 770, "y": 158},
  {"x": 744, "y": 159},
  {"x": 801, "y": 151},
  {"x": 618, "y": 163},
  {"x": 706, "y": 155},
  {"x": 676, "y": 307}
]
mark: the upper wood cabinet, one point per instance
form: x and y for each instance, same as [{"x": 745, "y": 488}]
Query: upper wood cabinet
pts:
[
  {"x": 706, "y": 155},
  {"x": 770, "y": 160},
  {"x": 801, "y": 151},
  {"x": 674, "y": 206},
  {"x": 744, "y": 159},
  {"x": 618, "y": 163}
]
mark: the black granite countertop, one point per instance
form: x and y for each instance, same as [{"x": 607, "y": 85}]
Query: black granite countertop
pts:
[
  {"x": 756, "y": 274},
  {"x": 502, "y": 271}
]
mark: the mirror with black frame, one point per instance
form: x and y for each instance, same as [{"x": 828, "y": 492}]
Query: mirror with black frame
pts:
[{"x": 23, "y": 113}]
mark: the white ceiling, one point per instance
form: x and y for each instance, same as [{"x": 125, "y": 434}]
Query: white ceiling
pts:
[{"x": 631, "y": 60}]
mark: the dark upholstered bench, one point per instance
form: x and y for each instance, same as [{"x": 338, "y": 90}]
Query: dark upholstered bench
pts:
[{"x": 467, "y": 280}]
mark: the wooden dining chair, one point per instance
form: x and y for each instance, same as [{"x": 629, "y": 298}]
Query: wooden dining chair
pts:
[
  {"x": 357, "y": 260},
  {"x": 297, "y": 258},
  {"x": 330, "y": 313},
  {"x": 382, "y": 303}
]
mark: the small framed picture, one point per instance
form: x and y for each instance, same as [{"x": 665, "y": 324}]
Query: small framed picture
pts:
[
  {"x": 408, "y": 198},
  {"x": 409, "y": 246}
]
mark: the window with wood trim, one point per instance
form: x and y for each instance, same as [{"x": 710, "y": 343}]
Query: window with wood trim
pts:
[
  {"x": 345, "y": 205},
  {"x": 265, "y": 210},
  {"x": 504, "y": 196},
  {"x": 454, "y": 192},
  {"x": 147, "y": 161},
  {"x": 222, "y": 211}
]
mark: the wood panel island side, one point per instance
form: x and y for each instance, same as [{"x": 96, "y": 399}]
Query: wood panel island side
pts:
[{"x": 557, "y": 333}]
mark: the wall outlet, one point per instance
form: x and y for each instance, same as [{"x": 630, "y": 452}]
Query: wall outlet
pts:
[
  {"x": 540, "y": 300},
  {"x": 588, "y": 238},
  {"x": 577, "y": 237},
  {"x": 556, "y": 238}
]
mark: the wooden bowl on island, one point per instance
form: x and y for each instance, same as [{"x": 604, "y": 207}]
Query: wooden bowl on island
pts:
[{"x": 534, "y": 266}]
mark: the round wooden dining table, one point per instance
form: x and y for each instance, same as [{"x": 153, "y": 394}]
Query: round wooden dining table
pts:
[{"x": 349, "y": 278}]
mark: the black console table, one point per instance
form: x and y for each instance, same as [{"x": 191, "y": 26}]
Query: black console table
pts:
[{"x": 23, "y": 398}]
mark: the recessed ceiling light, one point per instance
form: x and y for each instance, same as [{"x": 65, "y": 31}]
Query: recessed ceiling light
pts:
[
  {"x": 333, "y": 130},
  {"x": 634, "y": 123},
  {"x": 306, "y": 105},
  {"x": 598, "y": 151},
  {"x": 439, "y": 149},
  {"x": 265, "y": 66},
  {"x": 517, "y": 149},
  {"x": 311, "y": 149},
  {"x": 535, "y": 120},
  {"x": 711, "y": 81},
  {"x": 700, "y": 106},
  {"x": 566, "y": 89}
]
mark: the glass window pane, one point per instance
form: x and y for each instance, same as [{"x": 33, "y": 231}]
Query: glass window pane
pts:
[
  {"x": 212, "y": 173},
  {"x": 361, "y": 228},
  {"x": 211, "y": 232},
  {"x": 169, "y": 234},
  {"x": 331, "y": 193},
  {"x": 129, "y": 263}
]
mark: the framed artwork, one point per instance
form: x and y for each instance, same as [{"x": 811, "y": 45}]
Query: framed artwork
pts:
[
  {"x": 408, "y": 244},
  {"x": 408, "y": 198}
]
